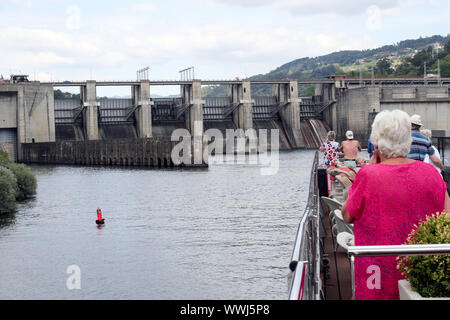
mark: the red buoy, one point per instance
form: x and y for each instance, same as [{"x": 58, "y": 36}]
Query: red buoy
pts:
[{"x": 100, "y": 219}]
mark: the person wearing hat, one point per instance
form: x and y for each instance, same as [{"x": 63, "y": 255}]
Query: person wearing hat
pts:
[
  {"x": 421, "y": 146},
  {"x": 350, "y": 148}
]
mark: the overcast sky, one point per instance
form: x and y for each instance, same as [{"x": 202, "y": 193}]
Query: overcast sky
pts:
[{"x": 223, "y": 39}]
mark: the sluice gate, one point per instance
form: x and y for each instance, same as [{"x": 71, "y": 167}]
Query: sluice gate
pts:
[{"x": 117, "y": 120}]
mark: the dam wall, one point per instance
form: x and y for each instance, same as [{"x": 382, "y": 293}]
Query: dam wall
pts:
[
  {"x": 355, "y": 109},
  {"x": 33, "y": 119}
]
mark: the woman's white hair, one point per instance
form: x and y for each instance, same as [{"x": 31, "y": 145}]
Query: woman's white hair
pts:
[
  {"x": 427, "y": 133},
  {"x": 391, "y": 132}
]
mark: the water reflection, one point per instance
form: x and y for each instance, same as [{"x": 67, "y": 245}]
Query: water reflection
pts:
[{"x": 7, "y": 220}]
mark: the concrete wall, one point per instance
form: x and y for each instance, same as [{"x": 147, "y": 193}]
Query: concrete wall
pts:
[
  {"x": 36, "y": 119},
  {"x": 29, "y": 108},
  {"x": 153, "y": 152},
  {"x": 356, "y": 107},
  {"x": 352, "y": 112},
  {"x": 432, "y": 103},
  {"x": 8, "y": 105}
]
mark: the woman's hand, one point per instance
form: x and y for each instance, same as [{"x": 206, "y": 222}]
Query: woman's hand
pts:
[{"x": 376, "y": 157}]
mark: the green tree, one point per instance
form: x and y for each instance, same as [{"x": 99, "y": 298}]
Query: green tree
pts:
[
  {"x": 8, "y": 187},
  {"x": 445, "y": 67},
  {"x": 420, "y": 58},
  {"x": 384, "y": 67},
  {"x": 447, "y": 47},
  {"x": 26, "y": 181}
]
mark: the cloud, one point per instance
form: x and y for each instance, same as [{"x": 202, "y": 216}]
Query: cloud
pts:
[
  {"x": 313, "y": 7},
  {"x": 317, "y": 7},
  {"x": 215, "y": 44},
  {"x": 25, "y": 3}
]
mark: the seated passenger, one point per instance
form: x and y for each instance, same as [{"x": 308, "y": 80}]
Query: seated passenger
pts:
[
  {"x": 350, "y": 148},
  {"x": 387, "y": 199}
]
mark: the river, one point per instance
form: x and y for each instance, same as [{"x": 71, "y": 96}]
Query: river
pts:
[{"x": 222, "y": 233}]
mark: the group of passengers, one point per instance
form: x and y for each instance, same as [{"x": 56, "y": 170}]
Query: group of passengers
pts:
[{"x": 391, "y": 194}]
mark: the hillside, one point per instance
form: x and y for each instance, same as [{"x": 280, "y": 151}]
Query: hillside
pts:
[{"x": 405, "y": 58}]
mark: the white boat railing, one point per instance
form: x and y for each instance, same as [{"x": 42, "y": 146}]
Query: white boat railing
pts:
[
  {"x": 399, "y": 251},
  {"x": 306, "y": 258}
]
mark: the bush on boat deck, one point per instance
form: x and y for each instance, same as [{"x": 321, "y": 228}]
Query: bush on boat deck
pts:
[{"x": 429, "y": 275}]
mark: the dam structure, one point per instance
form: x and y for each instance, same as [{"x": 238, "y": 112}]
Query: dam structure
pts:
[{"x": 37, "y": 128}]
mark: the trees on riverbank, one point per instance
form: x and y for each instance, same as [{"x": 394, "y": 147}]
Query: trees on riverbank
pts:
[{"x": 17, "y": 183}]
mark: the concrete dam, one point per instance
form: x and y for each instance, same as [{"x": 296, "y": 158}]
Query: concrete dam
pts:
[{"x": 37, "y": 128}]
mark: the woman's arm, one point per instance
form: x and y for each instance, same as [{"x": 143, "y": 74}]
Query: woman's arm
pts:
[{"x": 346, "y": 215}]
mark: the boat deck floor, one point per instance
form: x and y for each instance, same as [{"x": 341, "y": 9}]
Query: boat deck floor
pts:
[{"x": 338, "y": 286}]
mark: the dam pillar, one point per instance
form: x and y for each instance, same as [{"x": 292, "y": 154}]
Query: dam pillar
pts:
[
  {"x": 89, "y": 98},
  {"x": 243, "y": 116},
  {"x": 290, "y": 115},
  {"x": 192, "y": 95},
  {"x": 143, "y": 113}
]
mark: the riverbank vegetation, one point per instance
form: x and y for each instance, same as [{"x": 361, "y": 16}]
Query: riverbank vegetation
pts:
[{"x": 17, "y": 183}]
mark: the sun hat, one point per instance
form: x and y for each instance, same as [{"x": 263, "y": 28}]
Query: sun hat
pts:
[
  {"x": 349, "y": 135},
  {"x": 417, "y": 120}
]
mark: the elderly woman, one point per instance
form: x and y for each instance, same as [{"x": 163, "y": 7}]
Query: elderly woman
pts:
[{"x": 385, "y": 201}]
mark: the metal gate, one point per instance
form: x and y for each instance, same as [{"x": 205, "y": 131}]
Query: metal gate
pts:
[{"x": 8, "y": 141}]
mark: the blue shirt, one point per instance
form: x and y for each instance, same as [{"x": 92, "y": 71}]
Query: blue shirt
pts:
[
  {"x": 420, "y": 147},
  {"x": 370, "y": 148}
]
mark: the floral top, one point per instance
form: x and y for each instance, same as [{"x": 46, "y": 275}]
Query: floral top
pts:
[
  {"x": 330, "y": 153},
  {"x": 386, "y": 202}
]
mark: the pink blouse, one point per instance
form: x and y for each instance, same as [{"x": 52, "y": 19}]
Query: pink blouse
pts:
[{"x": 386, "y": 202}]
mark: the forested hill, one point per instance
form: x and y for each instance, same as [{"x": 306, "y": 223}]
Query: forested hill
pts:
[
  {"x": 406, "y": 58},
  {"x": 350, "y": 61}
]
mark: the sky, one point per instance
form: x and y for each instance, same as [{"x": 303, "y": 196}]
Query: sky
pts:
[{"x": 58, "y": 40}]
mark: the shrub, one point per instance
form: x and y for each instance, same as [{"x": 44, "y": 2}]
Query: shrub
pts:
[
  {"x": 429, "y": 275},
  {"x": 4, "y": 157},
  {"x": 8, "y": 187},
  {"x": 26, "y": 181}
]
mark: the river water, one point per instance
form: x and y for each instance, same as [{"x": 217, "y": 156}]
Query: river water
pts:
[{"x": 222, "y": 233}]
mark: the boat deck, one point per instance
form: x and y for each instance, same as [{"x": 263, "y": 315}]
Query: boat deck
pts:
[{"x": 339, "y": 284}]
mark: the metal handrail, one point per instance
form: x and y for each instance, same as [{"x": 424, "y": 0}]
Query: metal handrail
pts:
[
  {"x": 395, "y": 250},
  {"x": 306, "y": 273}
]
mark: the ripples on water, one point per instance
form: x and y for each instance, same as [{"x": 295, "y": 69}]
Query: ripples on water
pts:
[{"x": 222, "y": 233}]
